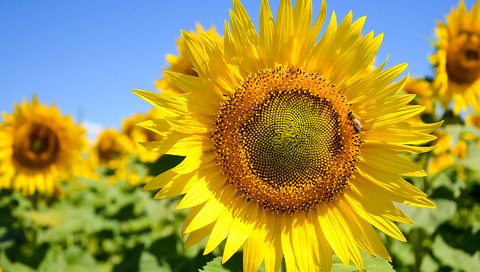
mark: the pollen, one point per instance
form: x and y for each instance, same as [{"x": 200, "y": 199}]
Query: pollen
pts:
[{"x": 286, "y": 139}]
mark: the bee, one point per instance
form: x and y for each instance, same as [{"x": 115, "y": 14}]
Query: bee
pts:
[{"x": 356, "y": 123}]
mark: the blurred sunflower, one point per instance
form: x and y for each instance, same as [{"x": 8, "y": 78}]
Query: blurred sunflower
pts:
[
  {"x": 473, "y": 119},
  {"x": 137, "y": 134},
  {"x": 292, "y": 150},
  {"x": 39, "y": 148},
  {"x": 447, "y": 153},
  {"x": 423, "y": 91},
  {"x": 457, "y": 59},
  {"x": 110, "y": 150},
  {"x": 442, "y": 159},
  {"x": 181, "y": 63}
]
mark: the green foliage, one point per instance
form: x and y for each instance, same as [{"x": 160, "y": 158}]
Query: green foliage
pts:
[
  {"x": 370, "y": 264},
  {"x": 94, "y": 226},
  {"x": 445, "y": 238}
]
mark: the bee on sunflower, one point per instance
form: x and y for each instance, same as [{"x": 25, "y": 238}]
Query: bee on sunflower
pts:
[{"x": 292, "y": 150}]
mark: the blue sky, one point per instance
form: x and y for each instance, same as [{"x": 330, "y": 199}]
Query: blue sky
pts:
[{"x": 86, "y": 56}]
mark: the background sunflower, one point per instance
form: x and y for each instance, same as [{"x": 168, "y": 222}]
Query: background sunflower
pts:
[
  {"x": 39, "y": 148},
  {"x": 457, "y": 59}
]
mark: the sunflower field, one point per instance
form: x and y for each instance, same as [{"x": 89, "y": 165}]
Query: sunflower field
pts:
[{"x": 282, "y": 146}]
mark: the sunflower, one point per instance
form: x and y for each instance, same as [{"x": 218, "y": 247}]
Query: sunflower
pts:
[
  {"x": 292, "y": 150},
  {"x": 423, "y": 91},
  {"x": 457, "y": 59},
  {"x": 111, "y": 149},
  {"x": 473, "y": 119},
  {"x": 39, "y": 147},
  {"x": 181, "y": 63},
  {"x": 442, "y": 157},
  {"x": 137, "y": 135}
]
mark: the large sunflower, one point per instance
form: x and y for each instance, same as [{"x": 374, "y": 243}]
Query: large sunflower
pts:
[
  {"x": 457, "y": 59},
  {"x": 39, "y": 147},
  {"x": 181, "y": 63},
  {"x": 292, "y": 150}
]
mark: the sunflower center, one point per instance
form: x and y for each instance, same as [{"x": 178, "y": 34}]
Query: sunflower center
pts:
[
  {"x": 286, "y": 139},
  {"x": 108, "y": 149},
  {"x": 463, "y": 58},
  {"x": 290, "y": 137},
  {"x": 37, "y": 146}
]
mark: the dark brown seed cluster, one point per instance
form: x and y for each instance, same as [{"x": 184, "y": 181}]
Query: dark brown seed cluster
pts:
[
  {"x": 285, "y": 140},
  {"x": 109, "y": 149},
  {"x": 37, "y": 146},
  {"x": 463, "y": 58}
]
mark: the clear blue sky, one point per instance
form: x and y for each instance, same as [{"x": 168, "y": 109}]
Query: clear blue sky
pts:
[{"x": 86, "y": 56}]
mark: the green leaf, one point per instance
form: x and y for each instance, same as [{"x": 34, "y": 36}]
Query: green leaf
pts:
[
  {"x": 370, "y": 264},
  {"x": 402, "y": 253},
  {"x": 429, "y": 264},
  {"x": 455, "y": 258},
  {"x": 72, "y": 259},
  {"x": 215, "y": 265},
  {"x": 148, "y": 263},
  {"x": 233, "y": 265},
  {"x": 8, "y": 266}
]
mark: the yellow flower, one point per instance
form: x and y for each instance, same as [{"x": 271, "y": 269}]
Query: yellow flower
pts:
[
  {"x": 292, "y": 150},
  {"x": 181, "y": 63},
  {"x": 460, "y": 149},
  {"x": 137, "y": 135},
  {"x": 457, "y": 59},
  {"x": 440, "y": 162},
  {"x": 39, "y": 148},
  {"x": 473, "y": 119},
  {"x": 443, "y": 142},
  {"x": 444, "y": 154},
  {"x": 110, "y": 150},
  {"x": 423, "y": 91}
]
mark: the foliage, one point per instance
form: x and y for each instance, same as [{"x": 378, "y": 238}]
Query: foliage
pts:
[
  {"x": 94, "y": 226},
  {"x": 446, "y": 238}
]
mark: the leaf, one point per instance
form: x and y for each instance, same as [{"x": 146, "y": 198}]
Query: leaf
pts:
[
  {"x": 429, "y": 264},
  {"x": 215, "y": 265},
  {"x": 429, "y": 219},
  {"x": 8, "y": 266},
  {"x": 402, "y": 253},
  {"x": 148, "y": 263},
  {"x": 454, "y": 257},
  {"x": 72, "y": 259},
  {"x": 370, "y": 264},
  {"x": 234, "y": 264}
]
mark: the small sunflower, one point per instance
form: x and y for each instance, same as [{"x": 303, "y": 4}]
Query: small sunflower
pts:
[
  {"x": 457, "y": 59},
  {"x": 181, "y": 63},
  {"x": 39, "y": 148},
  {"x": 442, "y": 158},
  {"x": 447, "y": 153},
  {"x": 137, "y": 134},
  {"x": 111, "y": 149},
  {"x": 423, "y": 91},
  {"x": 292, "y": 149},
  {"x": 473, "y": 119}
]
